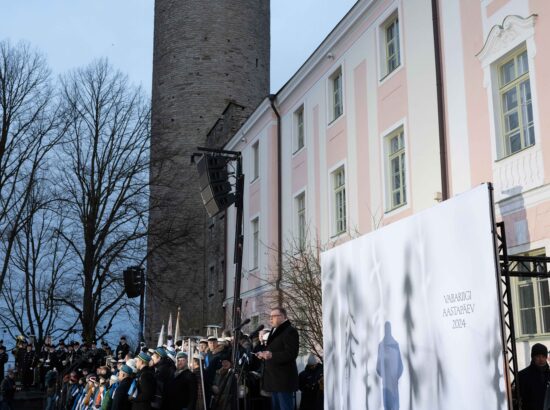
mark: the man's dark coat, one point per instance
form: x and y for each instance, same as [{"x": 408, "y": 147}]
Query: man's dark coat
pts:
[
  {"x": 146, "y": 386},
  {"x": 532, "y": 385},
  {"x": 280, "y": 372},
  {"x": 180, "y": 391}
]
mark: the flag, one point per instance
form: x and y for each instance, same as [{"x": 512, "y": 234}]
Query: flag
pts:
[
  {"x": 177, "y": 331},
  {"x": 161, "y": 336},
  {"x": 170, "y": 325}
]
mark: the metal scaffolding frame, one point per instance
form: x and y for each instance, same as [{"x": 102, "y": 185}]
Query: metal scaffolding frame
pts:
[{"x": 519, "y": 266}]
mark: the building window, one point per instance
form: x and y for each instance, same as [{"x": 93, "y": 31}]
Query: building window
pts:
[
  {"x": 301, "y": 219},
  {"x": 389, "y": 45},
  {"x": 397, "y": 188},
  {"x": 515, "y": 103},
  {"x": 339, "y": 191},
  {"x": 299, "y": 129},
  {"x": 336, "y": 95},
  {"x": 533, "y": 295},
  {"x": 255, "y": 161},
  {"x": 255, "y": 242}
]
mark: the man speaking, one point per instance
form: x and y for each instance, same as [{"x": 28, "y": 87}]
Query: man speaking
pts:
[{"x": 280, "y": 372}]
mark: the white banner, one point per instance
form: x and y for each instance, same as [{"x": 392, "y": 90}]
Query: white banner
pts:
[{"x": 411, "y": 313}]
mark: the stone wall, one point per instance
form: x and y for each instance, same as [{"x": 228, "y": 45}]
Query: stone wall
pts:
[{"x": 206, "y": 54}]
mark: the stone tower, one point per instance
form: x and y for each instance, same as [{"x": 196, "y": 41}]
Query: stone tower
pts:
[{"x": 208, "y": 55}]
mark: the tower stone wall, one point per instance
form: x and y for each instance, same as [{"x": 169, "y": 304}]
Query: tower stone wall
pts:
[{"x": 206, "y": 55}]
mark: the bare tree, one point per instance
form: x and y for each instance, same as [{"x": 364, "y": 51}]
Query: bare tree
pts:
[
  {"x": 299, "y": 291},
  {"x": 29, "y": 130},
  {"x": 103, "y": 173},
  {"x": 38, "y": 273}
]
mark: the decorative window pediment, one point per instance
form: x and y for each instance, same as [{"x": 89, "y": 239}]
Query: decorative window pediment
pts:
[{"x": 503, "y": 37}]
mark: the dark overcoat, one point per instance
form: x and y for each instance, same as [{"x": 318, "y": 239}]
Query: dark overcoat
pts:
[
  {"x": 280, "y": 372},
  {"x": 120, "y": 398},
  {"x": 146, "y": 386},
  {"x": 180, "y": 391},
  {"x": 532, "y": 384}
]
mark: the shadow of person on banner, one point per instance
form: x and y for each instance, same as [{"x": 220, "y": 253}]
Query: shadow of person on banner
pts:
[{"x": 389, "y": 367}]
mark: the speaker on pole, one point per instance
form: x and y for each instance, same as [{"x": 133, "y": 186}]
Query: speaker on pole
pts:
[
  {"x": 133, "y": 281},
  {"x": 216, "y": 190}
]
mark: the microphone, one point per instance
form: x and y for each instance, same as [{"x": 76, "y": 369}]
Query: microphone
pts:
[
  {"x": 256, "y": 331},
  {"x": 244, "y": 322}
]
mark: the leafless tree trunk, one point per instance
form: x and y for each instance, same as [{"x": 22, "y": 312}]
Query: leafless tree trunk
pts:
[
  {"x": 30, "y": 129},
  {"x": 104, "y": 177}
]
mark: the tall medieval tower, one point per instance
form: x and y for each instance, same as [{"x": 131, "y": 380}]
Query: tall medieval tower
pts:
[{"x": 208, "y": 55}]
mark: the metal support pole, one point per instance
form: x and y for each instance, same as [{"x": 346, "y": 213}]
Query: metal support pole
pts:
[{"x": 142, "y": 305}]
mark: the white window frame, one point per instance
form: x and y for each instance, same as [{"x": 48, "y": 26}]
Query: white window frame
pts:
[
  {"x": 300, "y": 213},
  {"x": 390, "y": 207},
  {"x": 338, "y": 194},
  {"x": 255, "y": 164},
  {"x": 299, "y": 129},
  {"x": 255, "y": 237},
  {"x": 537, "y": 299},
  {"x": 505, "y": 88},
  {"x": 388, "y": 18},
  {"x": 514, "y": 33},
  {"x": 336, "y": 95}
]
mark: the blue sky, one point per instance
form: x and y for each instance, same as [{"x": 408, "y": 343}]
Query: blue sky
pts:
[{"x": 71, "y": 33}]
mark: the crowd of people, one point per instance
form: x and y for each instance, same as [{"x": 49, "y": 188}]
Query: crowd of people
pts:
[{"x": 187, "y": 374}]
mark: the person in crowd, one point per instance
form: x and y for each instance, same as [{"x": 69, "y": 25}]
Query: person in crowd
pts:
[
  {"x": 100, "y": 391},
  {"x": 181, "y": 389},
  {"x": 198, "y": 372},
  {"x": 164, "y": 370},
  {"x": 7, "y": 391},
  {"x": 121, "y": 400},
  {"x": 213, "y": 362},
  {"x": 3, "y": 360},
  {"x": 280, "y": 376},
  {"x": 221, "y": 387},
  {"x": 50, "y": 384},
  {"x": 28, "y": 366},
  {"x": 203, "y": 348},
  {"x": 310, "y": 385},
  {"x": 19, "y": 354},
  {"x": 74, "y": 388},
  {"x": 534, "y": 379},
  {"x": 145, "y": 380},
  {"x": 107, "y": 401},
  {"x": 122, "y": 349}
]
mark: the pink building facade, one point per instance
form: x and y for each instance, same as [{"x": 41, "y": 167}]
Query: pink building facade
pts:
[{"x": 351, "y": 142}]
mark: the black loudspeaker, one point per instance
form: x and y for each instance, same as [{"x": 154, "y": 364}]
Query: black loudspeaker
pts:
[
  {"x": 214, "y": 183},
  {"x": 133, "y": 281}
]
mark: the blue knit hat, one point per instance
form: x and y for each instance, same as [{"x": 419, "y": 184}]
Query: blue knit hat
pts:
[
  {"x": 181, "y": 354},
  {"x": 144, "y": 356},
  {"x": 161, "y": 352},
  {"x": 127, "y": 369}
]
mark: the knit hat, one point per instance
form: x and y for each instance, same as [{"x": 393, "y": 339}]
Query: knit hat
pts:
[
  {"x": 144, "y": 357},
  {"x": 127, "y": 369},
  {"x": 132, "y": 364},
  {"x": 538, "y": 349},
  {"x": 160, "y": 351},
  {"x": 181, "y": 354}
]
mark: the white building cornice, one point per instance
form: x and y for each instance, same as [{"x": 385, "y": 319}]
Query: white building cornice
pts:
[{"x": 326, "y": 48}]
